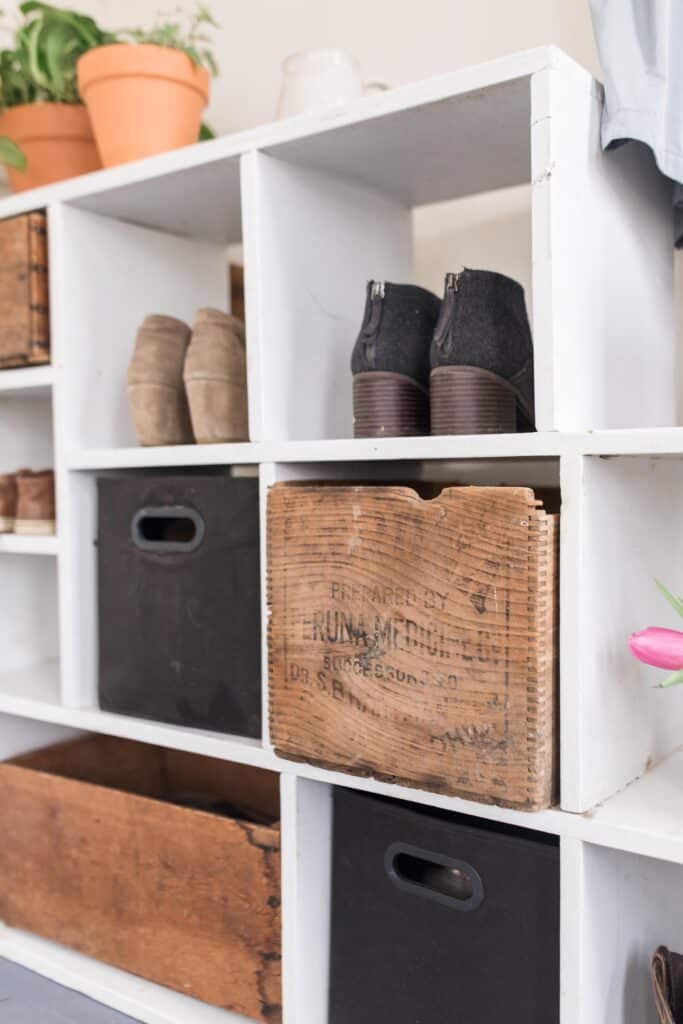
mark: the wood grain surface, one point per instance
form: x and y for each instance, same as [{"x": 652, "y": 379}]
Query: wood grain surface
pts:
[
  {"x": 24, "y": 319},
  {"x": 236, "y": 285},
  {"x": 414, "y": 640},
  {"x": 184, "y": 898}
]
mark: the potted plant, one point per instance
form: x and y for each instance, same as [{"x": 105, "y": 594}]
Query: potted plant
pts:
[
  {"x": 45, "y": 129},
  {"x": 146, "y": 94}
]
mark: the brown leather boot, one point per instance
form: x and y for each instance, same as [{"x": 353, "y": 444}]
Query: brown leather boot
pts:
[
  {"x": 35, "y": 502},
  {"x": 8, "y": 501},
  {"x": 155, "y": 382},
  {"x": 215, "y": 377},
  {"x": 667, "y": 984}
]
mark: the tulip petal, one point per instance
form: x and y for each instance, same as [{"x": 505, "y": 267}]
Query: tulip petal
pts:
[{"x": 662, "y": 648}]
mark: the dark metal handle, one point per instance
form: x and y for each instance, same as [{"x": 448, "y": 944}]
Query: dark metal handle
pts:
[
  {"x": 453, "y": 883},
  {"x": 165, "y": 529}
]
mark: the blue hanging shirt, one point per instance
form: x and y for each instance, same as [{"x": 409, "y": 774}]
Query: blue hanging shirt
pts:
[{"x": 639, "y": 44}]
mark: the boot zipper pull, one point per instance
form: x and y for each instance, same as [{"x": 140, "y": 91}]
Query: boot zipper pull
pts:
[
  {"x": 441, "y": 334},
  {"x": 373, "y": 313}
]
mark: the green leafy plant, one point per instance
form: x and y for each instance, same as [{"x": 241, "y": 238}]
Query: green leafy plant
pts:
[
  {"x": 11, "y": 155},
  {"x": 41, "y": 65},
  {"x": 179, "y": 30}
]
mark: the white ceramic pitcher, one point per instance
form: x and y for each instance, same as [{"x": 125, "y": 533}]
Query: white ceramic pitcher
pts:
[{"x": 319, "y": 79}]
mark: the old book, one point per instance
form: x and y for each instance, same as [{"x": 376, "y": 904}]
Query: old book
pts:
[
  {"x": 24, "y": 319},
  {"x": 414, "y": 640}
]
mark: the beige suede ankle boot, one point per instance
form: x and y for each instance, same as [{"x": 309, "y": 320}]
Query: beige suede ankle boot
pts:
[
  {"x": 156, "y": 394},
  {"x": 216, "y": 378}
]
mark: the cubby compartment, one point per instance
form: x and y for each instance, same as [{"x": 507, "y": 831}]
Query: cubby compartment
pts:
[
  {"x": 26, "y": 433},
  {"x": 112, "y": 272},
  {"x": 26, "y": 442},
  {"x": 628, "y": 906},
  {"x": 347, "y": 920},
  {"x": 179, "y": 613},
  {"x": 621, "y": 535},
  {"x": 437, "y": 915},
  {"x": 412, "y": 630},
  {"x": 29, "y": 626},
  {"x": 191, "y": 622},
  {"x": 29, "y": 630},
  {"x": 326, "y": 212},
  {"x": 78, "y": 814}
]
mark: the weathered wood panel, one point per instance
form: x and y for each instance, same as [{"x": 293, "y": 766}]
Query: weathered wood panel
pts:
[
  {"x": 24, "y": 320},
  {"x": 184, "y": 898},
  {"x": 414, "y": 640}
]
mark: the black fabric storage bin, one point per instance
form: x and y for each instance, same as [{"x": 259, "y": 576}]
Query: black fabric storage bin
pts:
[
  {"x": 179, "y": 602},
  {"x": 440, "y": 918}
]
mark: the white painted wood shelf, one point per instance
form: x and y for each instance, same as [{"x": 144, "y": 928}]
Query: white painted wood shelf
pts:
[
  {"x": 27, "y": 381},
  {"x": 32, "y": 691},
  {"x": 551, "y": 444},
  {"x": 25, "y": 544},
  {"x": 320, "y": 204}
]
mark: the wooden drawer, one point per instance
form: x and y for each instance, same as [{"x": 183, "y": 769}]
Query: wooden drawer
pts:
[
  {"x": 96, "y": 855},
  {"x": 414, "y": 640},
  {"x": 24, "y": 316}
]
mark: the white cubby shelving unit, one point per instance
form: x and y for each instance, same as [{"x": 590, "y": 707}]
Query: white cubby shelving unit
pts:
[{"x": 320, "y": 204}]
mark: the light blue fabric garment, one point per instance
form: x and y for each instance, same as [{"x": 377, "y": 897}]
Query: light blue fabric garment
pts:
[{"x": 639, "y": 47}]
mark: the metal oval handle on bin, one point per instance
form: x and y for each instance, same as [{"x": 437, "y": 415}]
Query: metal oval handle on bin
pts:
[
  {"x": 453, "y": 883},
  {"x": 167, "y": 529}
]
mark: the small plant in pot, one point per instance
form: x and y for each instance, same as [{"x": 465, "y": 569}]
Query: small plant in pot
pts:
[
  {"x": 44, "y": 128},
  {"x": 146, "y": 93}
]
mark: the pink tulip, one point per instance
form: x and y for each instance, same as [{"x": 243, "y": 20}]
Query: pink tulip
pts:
[{"x": 662, "y": 648}]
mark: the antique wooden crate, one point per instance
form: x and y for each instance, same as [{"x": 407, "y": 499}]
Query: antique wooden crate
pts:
[
  {"x": 24, "y": 319},
  {"x": 414, "y": 640},
  {"x": 103, "y": 851}
]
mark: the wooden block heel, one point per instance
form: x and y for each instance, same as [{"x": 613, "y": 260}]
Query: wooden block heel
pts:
[
  {"x": 388, "y": 405},
  {"x": 469, "y": 400}
]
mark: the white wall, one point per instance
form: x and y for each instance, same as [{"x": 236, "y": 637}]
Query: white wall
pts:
[{"x": 396, "y": 40}]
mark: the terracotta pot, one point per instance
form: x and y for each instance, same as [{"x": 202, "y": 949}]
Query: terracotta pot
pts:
[
  {"x": 142, "y": 99},
  {"x": 56, "y": 138}
]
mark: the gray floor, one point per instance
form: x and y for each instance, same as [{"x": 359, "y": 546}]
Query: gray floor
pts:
[{"x": 28, "y": 998}]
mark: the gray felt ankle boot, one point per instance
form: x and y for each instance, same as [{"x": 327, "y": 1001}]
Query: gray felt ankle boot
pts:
[
  {"x": 482, "y": 362},
  {"x": 390, "y": 361}
]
